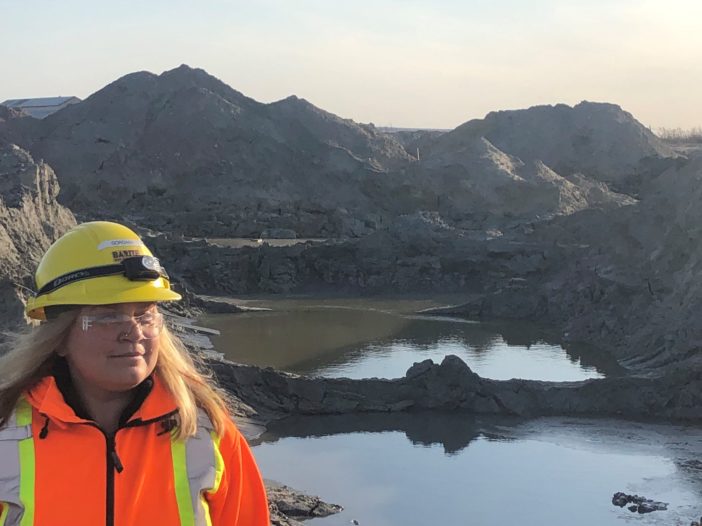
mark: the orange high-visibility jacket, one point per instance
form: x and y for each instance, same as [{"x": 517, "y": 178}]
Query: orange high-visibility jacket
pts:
[{"x": 58, "y": 469}]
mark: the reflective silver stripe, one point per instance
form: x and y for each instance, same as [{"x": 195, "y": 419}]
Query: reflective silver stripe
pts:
[
  {"x": 10, "y": 435},
  {"x": 197, "y": 469},
  {"x": 200, "y": 458}
]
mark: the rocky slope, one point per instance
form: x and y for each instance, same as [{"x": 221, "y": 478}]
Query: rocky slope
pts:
[
  {"x": 30, "y": 220},
  {"x": 660, "y": 245}
]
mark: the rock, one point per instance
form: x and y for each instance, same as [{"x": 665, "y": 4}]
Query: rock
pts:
[
  {"x": 419, "y": 368},
  {"x": 288, "y": 506},
  {"x": 620, "y": 499},
  {"x": 649, "y": 506},
  {"x": 640, "y": 504}
]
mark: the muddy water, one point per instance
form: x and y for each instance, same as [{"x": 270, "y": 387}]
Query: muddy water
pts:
[
  {"x": 383, "y": 338},
  {"x": 432, "y": 468},
  {"x": 423, "y": 469}
]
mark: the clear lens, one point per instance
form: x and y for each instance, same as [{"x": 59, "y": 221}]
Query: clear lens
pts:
[{"x": 111, "y": 325}]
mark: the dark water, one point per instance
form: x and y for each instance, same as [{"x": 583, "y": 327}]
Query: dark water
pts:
[
  {"x": 365, "y": 338},
  {"x": 424, "y": 469}
]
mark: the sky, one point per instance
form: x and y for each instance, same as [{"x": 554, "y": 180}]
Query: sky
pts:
[{"x": 400, "y": 63}]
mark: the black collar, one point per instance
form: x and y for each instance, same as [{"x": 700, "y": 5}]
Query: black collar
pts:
[{"x": 64, "y": 383}]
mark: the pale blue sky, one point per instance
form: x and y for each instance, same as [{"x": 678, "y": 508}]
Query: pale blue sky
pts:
[{"x": 402, "y": 63}]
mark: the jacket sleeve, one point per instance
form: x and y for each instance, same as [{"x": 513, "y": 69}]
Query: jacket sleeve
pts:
[{"x": 240, "y": 499}]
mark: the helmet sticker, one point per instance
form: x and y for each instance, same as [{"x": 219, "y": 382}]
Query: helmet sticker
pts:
[
  {"x": 120, "y": 243},
  {"x": 119, "y": 255}
]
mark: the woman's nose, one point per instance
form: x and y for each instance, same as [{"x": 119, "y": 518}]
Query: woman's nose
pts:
[{"x": 130, "y": 334}]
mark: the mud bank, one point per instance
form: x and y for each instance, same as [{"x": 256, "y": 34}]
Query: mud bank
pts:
[{"x": 265, "y": 394}]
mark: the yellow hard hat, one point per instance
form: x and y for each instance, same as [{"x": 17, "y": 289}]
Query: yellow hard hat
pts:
[{"x": 98, "y": 263}]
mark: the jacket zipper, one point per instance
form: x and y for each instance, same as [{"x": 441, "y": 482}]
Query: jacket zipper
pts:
[
  {"x": 110, "y": 486},
  {"x": 113, "y": 463}
]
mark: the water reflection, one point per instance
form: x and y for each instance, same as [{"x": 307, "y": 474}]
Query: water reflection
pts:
[
  {"x": 418, "y": 469},
  {"x": 285, "y": 339},
  {"x": 338, "y": 340},
  {"x": 453, "y": 431}
]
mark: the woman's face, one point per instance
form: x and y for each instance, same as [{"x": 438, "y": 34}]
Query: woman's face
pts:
[{"x": 110, "y": 349}]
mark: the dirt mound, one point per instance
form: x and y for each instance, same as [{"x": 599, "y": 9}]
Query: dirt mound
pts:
[
  {"x": 477, "y": 185},
  {"x": 299, "y": 121},
  {"x": 597, "y": 139},
  {"x": 146, "y": 145}
]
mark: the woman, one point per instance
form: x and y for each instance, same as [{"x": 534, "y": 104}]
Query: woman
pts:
[{"x": 104, "y": 418}]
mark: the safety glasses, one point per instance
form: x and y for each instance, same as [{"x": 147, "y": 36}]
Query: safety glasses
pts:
[{"x": 114, "y": 325}]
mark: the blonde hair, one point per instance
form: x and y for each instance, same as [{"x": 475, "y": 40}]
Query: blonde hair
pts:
[
  {"x": 190, "y": 387},
  {"x": 33, "y": 352}
]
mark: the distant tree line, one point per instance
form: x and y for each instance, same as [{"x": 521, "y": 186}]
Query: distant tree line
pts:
[{"x": 680, "y": 135}]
